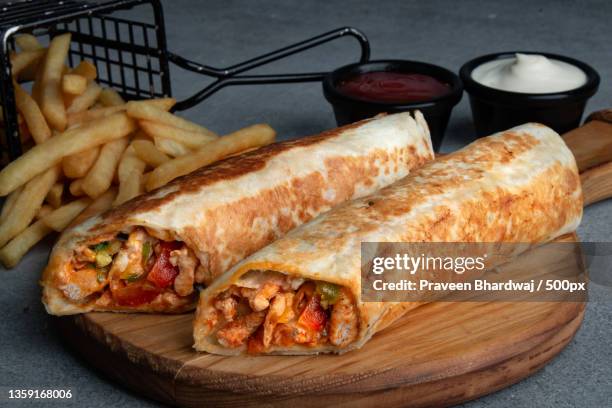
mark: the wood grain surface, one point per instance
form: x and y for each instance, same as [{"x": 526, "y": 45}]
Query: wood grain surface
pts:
[{"x": 437, "y": 355}]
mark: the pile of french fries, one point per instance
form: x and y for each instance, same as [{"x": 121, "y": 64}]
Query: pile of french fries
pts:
[{"x": 87, "y": 150}]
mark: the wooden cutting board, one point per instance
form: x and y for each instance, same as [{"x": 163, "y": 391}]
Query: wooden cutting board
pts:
[{"x": 437, "y": 355}]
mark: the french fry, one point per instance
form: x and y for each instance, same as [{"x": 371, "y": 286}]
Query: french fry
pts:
[
  {"x": 24, "y": 133},
  {"x": 12, "y": 253},
  {"x": 91, "y": 114},
  {"x": 147, "y": 152},
  {"x": 145, "y": 177},
  {"x": 76, "y": 187},
  {"x": 249, "y": 137},
  {"x": 188, "y": 138},
  {"x": 27, "y": 42},
  {"x": 129, "y": 172},
  {"x": 242, "y": 152},
  {"x": 98, "y": 206},
  {"x": 140, "y": 135},
  {"x": 77, "y": 165},
  {"x": 130, "y": 188},
  {"x": 94, "y": 152},
  {"x": 32, "y": 115},
  {"x": 144, "y": 111},
  {"x": 9, "y": 203},
  {"x": 60, "y": 218},
  {"x": 37, "y": 86},
  {"x": 45, "y": 155},
  {"x": 54, "y": 196},
  {"x": 52, "y": 102},
  {"x": 23, "y": 64},
  {"x": 171, "y": 147},
  {"x": 164, "y": 104},
  {"x": 83, "y": 101},
  {"x": 85, "y": 69},
  {"x": 45, "y": 210},
  {"x": 27, "y": 205},
  {"x": 74, "y": 84},
  {"x": 100, "y": 176},
  {"x": 110, "y": 97},
  {"x": 95, "y": 113},
  {"x": 129, "y": 163}
]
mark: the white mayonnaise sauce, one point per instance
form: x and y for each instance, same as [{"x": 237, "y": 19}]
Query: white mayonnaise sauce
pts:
[{"x": 529, "y": 73}]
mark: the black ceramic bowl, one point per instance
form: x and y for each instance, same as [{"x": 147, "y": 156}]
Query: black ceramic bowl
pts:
[
  {"x": 494, "y": 110},
  {"x": 436, "y": 111}
]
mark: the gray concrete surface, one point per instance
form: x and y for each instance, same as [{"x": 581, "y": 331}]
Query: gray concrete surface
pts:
[{"x": 442, "y": 32}]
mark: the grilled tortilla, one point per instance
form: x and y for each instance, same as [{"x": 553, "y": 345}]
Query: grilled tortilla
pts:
[
  {"x": 302, "y": 293},
  {"x": 148, "y": 254}
]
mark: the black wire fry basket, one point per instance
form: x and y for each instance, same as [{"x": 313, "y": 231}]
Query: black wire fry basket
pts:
[{"x": 130, "y": 55}]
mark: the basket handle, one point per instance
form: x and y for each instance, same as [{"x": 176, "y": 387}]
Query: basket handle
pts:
[{"x": 229, "y": 76}]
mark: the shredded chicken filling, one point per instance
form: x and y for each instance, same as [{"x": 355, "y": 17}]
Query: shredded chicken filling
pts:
[
  {"x": 132, "y": 270},
  {"x": 277, "y": 314}
]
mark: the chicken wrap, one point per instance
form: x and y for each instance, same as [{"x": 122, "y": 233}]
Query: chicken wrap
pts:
[
  {"x": 148, "y": 254},
  {"x": 302, "y": 293}
]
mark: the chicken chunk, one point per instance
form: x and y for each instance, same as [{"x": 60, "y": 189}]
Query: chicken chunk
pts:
[
  {"x": 82, "y": 283},
  {"x": 236, "y": 333},
  {"x": 275, "y": 312},
  {"x": 227, "y": 307},
  {"x": 287, "y": 334},
  {"x": 85, "y": 255},
  {"x": 128, "y": 261},
  {"x": 260, "y": 299},
  {"x": 343, "y": 323},
  {"x": 187, "y": 263}
]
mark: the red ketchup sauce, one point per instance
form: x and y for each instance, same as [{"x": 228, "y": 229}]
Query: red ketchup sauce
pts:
[{"x": 395, "y": 87}]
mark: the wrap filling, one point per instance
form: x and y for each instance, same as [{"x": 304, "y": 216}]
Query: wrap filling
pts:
[
  {"x": 132, "y": 270},
  {"x": 265, "y": 310}
]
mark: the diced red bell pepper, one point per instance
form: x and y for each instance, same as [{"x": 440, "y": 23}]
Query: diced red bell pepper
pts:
[
  {"x": 135, "y": 294},
  {"x": 313, "y": 317},
  {"x": 162, "y": 272}
]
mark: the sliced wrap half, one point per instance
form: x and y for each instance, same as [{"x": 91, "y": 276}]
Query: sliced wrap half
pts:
[
  {"x": 302, "y": 293},
  {"x": 148, "y": 254}
]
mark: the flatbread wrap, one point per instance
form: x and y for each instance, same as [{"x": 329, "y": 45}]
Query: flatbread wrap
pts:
[
  {"x": 302, "y": 293},
  {"x": 148, "y": 254}
]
